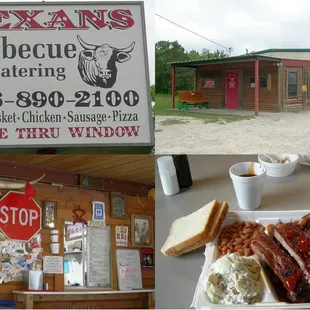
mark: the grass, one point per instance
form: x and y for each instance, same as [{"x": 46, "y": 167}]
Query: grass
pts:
[
  {"x": 163, "y": 103},
  {"x": 174, "y": 121}
]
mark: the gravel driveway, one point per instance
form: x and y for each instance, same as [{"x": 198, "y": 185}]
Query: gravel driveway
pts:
[{"x": 275, "y": 133}]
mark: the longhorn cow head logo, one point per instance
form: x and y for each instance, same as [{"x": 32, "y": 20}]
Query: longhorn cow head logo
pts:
[{"x": 97, "y": 63}]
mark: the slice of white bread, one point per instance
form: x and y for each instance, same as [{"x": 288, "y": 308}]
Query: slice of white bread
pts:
[
  {"x": 211, "y": 236},
  {"x": 192, "y": 230}
]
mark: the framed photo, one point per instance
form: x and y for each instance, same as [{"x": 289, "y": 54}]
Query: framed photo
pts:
[
  {"x": 118, "y": 206},
  {"x": 49, "y": 214},
  {"x": 142, "y": 231}
]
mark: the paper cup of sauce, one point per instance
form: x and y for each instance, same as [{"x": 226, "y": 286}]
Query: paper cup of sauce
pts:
[{"x": 248, "y": 180}]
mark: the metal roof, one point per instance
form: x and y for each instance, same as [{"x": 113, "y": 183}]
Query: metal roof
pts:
[
  {"x": 197, "y": 63},
  {"x": 271, "y": 50}
]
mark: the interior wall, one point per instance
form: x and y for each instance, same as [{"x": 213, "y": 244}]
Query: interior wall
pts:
[{"x": 67, "y": 199}]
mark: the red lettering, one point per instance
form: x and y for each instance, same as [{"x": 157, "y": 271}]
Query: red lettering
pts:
[
  {"x": 37, "y": 133},
  {"x": 96, "y": 132},
  {"x": 120, "y": 131},
  {"x": 3, "y": 133},
  {"x": 108, "y": 132},
  {"x": 31, "y": 133},
  {"x": 97, "y": 20},
  {"x": 4, "y": 15},
  {"x": 55, "y": 133},
  {"x": 76, "y": 131},
  {"x": 27, "y": 19},
  {"x": 43, "y": 133},
  {"x": 121, "y": 19},
  {"x": 61, "y": 19},
  {"x": 20, "y": 132},
  {"x": 132, "y": 130}
]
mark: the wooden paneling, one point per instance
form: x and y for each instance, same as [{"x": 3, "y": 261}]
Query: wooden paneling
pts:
[
  {"x": 306, "y": 82},
  {"x": 134, "y": 168},
  {"x": 67, "y": 199},
  {"x": 214, "y": 95},
  {"x": 292, "y": 104},
  {"x": 268, "y": 98}
]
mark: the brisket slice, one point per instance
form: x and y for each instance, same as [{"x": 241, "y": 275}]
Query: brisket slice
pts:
[
  {"x": 282, "y": 265},
  {"x": 296, "y": 243}
]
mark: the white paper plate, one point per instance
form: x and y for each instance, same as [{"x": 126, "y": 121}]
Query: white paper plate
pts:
[{"x": 269, "y": 301}]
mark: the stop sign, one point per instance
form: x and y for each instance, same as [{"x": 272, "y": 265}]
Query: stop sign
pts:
[{"x": 18, "y": 221}]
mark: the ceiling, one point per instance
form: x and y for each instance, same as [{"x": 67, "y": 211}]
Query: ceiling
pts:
[{"x": 134, "y": 168}]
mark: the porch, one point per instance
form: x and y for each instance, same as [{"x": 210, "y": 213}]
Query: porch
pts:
[{"x": 222, "y": 112}]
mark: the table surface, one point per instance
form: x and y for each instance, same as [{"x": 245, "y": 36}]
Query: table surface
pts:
[
  {"x": 177, "y": 277},
  {"x": 82, "y": 292}
]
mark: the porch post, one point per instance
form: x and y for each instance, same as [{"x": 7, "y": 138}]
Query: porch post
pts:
[
  {"x": 173, "y": 87},
  {"x": 256, "y": 85}
]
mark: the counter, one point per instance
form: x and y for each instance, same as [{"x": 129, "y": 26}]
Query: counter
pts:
[
  {"x": 177, "y": 277},
  {"x": 106, "y": 299}
]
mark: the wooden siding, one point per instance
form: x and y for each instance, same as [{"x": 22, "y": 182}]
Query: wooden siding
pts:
[
  {"x": 292, "y": 104},
  {"x": 306, "y": 82},
  {"x": 67, "y": 199},
  {"x": 268, "y": 98},
  {"x": 215, "y": 95}
]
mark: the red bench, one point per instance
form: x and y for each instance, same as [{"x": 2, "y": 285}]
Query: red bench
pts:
[{"x": 192, "y": 98}]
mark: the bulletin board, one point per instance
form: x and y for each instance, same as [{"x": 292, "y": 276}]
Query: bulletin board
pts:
[{"x": 16, "y": 257}]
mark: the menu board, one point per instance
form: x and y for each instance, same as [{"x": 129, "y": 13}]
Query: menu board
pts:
[
  {"x": 128, "y": 269},
  {"x": 99, "y": 256}
]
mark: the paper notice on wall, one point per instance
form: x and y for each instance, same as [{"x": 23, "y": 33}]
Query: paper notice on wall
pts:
[
  {"x": 99, "y": 256},
  {"x": 128, "y": 269},
  {"x": 53, "y": 264},
  {"x": 121, "y": 233}
]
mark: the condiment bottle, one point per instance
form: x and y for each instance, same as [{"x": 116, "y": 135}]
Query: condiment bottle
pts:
[
  {"x": 168, "y": 175},
  {"x": 183, "y": 171}
]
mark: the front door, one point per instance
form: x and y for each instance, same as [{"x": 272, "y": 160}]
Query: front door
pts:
[{"x": 231, "y": 90}]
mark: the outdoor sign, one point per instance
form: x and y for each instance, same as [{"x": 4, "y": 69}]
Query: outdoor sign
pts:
[
  {"x": 209, "y": 83},
  {"x": 17, "y": 221},
  {"x": 74, "y": 74}
]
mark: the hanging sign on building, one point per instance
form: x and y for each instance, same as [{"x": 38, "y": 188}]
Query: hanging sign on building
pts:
[
  {"x": 74, "y": 73},
  {"x": 208, "y": 83}
]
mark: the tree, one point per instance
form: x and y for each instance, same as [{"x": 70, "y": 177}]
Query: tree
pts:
[
  {"x": 167, "y": 52},
  {"x": 153, "y": 92}
]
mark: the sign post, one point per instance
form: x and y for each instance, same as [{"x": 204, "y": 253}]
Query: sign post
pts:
[
  {"x": 74, "y": 74},
  {"x": 16, "y": 221}
]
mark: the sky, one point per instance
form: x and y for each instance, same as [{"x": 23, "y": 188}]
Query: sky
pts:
[
  {"x": 150, "y": 29},
  {"x": 241, "y": 24}
]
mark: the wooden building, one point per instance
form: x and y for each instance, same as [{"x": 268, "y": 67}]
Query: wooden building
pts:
[
  {"x": 64, "y": 183},
  {"x": 273, "y": 80}
]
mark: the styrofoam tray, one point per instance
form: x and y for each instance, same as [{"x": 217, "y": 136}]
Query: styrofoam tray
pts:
[
  {"x": 269, "y": 300},
  {"x": 304, "y": 160}
]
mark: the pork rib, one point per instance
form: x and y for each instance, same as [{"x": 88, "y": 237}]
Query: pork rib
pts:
[
  {"x": 296, "y": 243},
  {"x": 282, "y": 265}
]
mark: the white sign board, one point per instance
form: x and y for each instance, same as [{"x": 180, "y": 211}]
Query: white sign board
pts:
[
  {"x": 53, "y": 264},
  {"x": 99, "y": 257},
  {"x": 128, "y": 269},
  {"x": 74, "y": 74}
]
